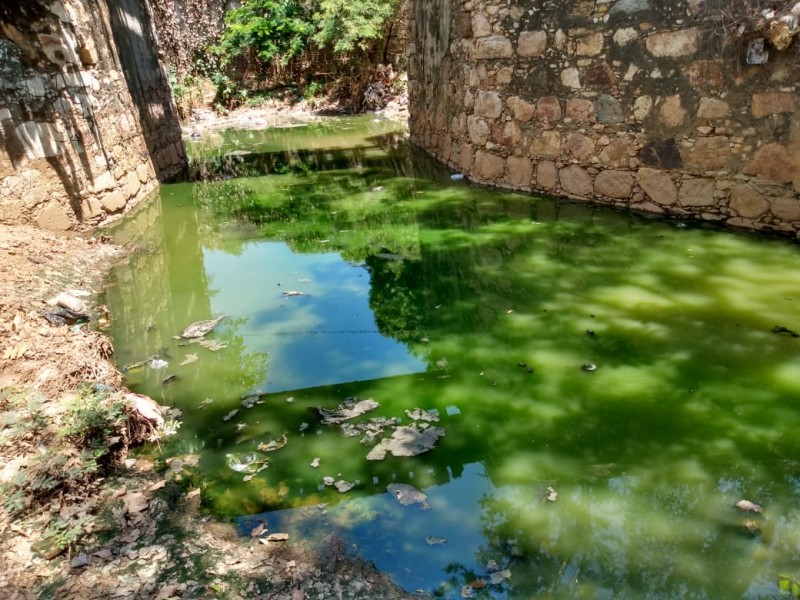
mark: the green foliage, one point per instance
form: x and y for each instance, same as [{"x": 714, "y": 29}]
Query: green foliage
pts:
[
  {"x": 93, "y": 420},
  {"x": 349, "y": 24},
  {"x": 276, "y": 30}
]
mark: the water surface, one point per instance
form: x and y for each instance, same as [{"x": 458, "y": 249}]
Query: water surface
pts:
[{"x": 483, "y": 305}]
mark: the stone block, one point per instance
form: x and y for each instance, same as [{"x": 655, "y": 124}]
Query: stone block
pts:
[
  {"x": 571, "y": 78},
  {"x": 576, "y": 181},
  {"x": 53, "y": 216},
  {"x": 706, "y": 74},
  {"x": 580, "y": 146},
  {"x": 658, "y": 186},
  {"x": 662, "y": 153},
  {"x": 480, "y": 25},
  {"x": 467, "y": 159},
  {"x": 747, "y": 202},
  {"x": 697, "y": 192},
  {"x": 488, "y": 104},
  {"x": 519, "y": 171},
  {"x": 642, "y": 107},
  {"x": 614, "y": 184},
  {"x": 579, "y": 110},
  {"x": 786, "y": 209},
  {"x": 547, "y": 144},
  {"x": 489, "y": 167},
  {"x": 712, "y": 108},
  {"x": 772, "y": 103},
  {"x": 672, "y": 112},
  {"x": 624, "y": 36},
  {"x": 709, "y": 153},
  {"x": 616, "y": 154},
  {"x": 478, "y": 130},
  {"x": 493, "y": 47},
  {"x": 38, "y": 139},
  {"x": 590, "y": 45},
  {"x": 773, "y": 161},
  {"x": 547, "y": 175},
  {"x": 105, "y": 181},
  {"x": 608, "y": 109},
  {"x": 523, "y": 111},
  {"x": 600, "y": 75},
  {"x": 132, "y": 185},
  {"x": 629, "y": 7},
  {"x": 58, "y": 50},
  {"x": 507, "y": 134},
  {"x": 113, "y": 201},
  {"x": 673, "y": 43},
  {"x": 548, "y": 109},
  {"x": 532, "y": 43}
]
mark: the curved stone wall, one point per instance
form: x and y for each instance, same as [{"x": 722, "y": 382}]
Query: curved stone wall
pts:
[
  {"x": 77, "y": 147},
  {"x": 637, "y": 103}
]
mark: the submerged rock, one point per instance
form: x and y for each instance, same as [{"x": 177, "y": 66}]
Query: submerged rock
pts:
[
  {"x": 407, "y": 441},
  {"x": 408, "y": 495},
  {"x": 418, "y": 414}
]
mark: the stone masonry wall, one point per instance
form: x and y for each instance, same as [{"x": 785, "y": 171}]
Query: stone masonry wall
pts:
[
  {"x": 652, "y": 105},
  {"x": 74, "y": 150}
]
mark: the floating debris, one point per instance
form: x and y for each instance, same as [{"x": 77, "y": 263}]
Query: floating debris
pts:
[
  {"x": 590, "y": 332},
  {"x": 785, "y": 331},
  {"x": 290, "y": 399},
  {"x": 157, "y": 363},
  {"x": 498, "y": 577},
  {"x": 408, "y": 495},
  {"x": 371, "y": 429},
  {"x": 206, "y": 402},
  {"x": 751, "y": 527},
  {"x": 419, "y": 414},
  {"x": 250, "y": 463},
  {"x": 376, "y": 188},
  {"x": 315, "y": 462},
  {"x": 230, "y": 415},
  {"x": 292, "y": 294},
  {"x": 190, "y": 358},
  {"x": 201, "y": 328},
  {"x": 146, "y": 407},
  {"x": 273, "y": 445},
  {"x": 328, "y": 481},
  {"x": 748, "y": 506},
  {"x": 588, "y": 367},
  {"x": 213, "y": 345},
  {"x": 407, "y": 441},
  {"x": 303, "y": 427},
  {"x": 550, "y": 495},
  {"x": 169, "y": 379},
  {"x": 456, "y": 177},
  {"x": 343, "y": 486},
  {"x": 249, "y": 402},
  {"x": 349, "y": 409},
  {"x": 435, "y": 541},
  {"x": 240, "y": 427}
]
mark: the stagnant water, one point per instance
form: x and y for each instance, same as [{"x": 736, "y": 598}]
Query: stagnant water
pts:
[{"x": 422, "y": 292}]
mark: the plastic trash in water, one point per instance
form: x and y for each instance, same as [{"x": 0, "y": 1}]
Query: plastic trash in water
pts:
[{"x": 457, "y": 176}]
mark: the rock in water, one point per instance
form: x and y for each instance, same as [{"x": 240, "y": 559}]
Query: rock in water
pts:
[{"x": 748, "y": 506}]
